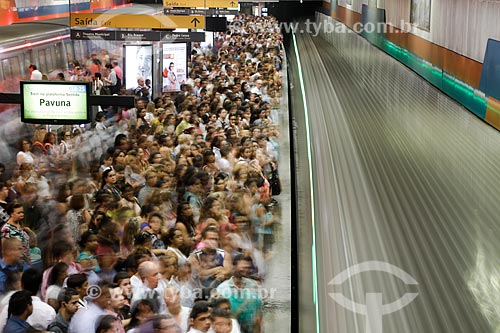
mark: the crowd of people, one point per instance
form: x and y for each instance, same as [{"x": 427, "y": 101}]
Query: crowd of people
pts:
[{"x": 158, "y": 218}]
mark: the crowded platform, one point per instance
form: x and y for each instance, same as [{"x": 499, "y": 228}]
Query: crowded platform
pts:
[{"x": 158, "y": 218}]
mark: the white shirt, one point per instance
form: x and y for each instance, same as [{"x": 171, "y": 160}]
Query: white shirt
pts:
[
  {"x": 256, "y": 90},
  {"x": 100, "y": 128},
  {"x": 149, "y": 117},
  {"x": 36, "y": 75},
  {"x": 194, "y": 330},
  {"x": 52, "y": 292},
  {"x": 224, "y": 165},
  {"x": 182, "y": 318},
  {"x": 25, "y": 157},
  {"x": 97, "y": 86},
  {"x": 85, "y": 320},
  {"x": 43, "y": 314},
  {"x": 140, "y": 291},
  {"x": 181, "y": 258}
]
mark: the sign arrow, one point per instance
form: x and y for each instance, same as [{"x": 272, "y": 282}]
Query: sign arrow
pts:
[
  {"x": 195, "y": 21},
  {"x": 232, "y": 3}
]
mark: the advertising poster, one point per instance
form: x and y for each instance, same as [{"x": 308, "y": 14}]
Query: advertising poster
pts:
[
  {"x": 420, "y": 14},
  {"x": 138, "y": 63},
  {"x": 174, "y": 66},
  {"x": 208, "y": 44}
]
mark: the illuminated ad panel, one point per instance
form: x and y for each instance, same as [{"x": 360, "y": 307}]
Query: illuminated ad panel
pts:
[
  {"x": 138, "y": 63},
  {"x": 174, "y": 66}
]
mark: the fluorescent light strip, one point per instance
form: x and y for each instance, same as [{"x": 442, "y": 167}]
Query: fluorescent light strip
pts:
[
  {"x": 309, "y": 159},
  {"x": 31, "y": 44}
]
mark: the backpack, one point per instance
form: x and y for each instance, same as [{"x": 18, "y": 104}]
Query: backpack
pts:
[{"x": 57, "y": 327}]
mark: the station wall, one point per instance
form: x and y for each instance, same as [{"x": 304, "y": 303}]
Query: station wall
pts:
[{"x": 441, "y": 55}]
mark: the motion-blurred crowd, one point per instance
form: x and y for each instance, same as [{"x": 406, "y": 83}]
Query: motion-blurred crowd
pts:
[{"x": 157, "y": 218}]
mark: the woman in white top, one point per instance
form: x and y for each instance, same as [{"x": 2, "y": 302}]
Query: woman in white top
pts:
[
  {"x": 97, "y": 84},
  {"x": 25, "y": 155},
  {"x": 100, "y": 128},
  {"x": 175, "y": 241},
  {"x": 78, "y": 76},
  {"x": 56, "y": 279}
]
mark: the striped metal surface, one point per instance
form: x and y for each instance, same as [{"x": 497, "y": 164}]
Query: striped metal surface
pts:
[{"x": 405, "y": 176}]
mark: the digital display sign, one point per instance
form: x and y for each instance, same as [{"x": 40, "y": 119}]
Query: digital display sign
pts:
[{"x": 55, "y": 102}]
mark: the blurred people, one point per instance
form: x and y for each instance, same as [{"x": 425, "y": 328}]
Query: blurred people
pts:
[
  {"x": 246, "y": 305},
  {"x": 86, "y": 320},
  {"x": 199, "y": 318},
  {"x": 35, "y": 73},
  {"x": 68, "y": 299}
]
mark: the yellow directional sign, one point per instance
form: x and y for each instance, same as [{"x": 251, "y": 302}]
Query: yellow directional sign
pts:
[
  {"x": 221, "y": 3},
  {"x": 183, "y": 3},
  {"x": 137, "y": 21}
]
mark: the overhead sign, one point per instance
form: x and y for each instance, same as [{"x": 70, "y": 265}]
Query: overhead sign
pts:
[
  {"x": 183, "y": 37},
  {"x": 221, "y": 4},
  {"x": 129, "y": 36},
  {"x": 198, "y": 11},
  {"x": 183, "y": 3},
  {"x": 141, "y": 21},
  {"x": 200, "y": 4},
  {"x": 176, "y": 11},
  {"x": 188, "y": 11},
  {"x": 218, "y": 11},
  {"x": 91, "y": 35},
  {"x": 138, "y": 35}
]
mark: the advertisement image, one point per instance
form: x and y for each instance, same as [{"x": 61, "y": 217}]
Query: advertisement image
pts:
[
  {"x": 420, "y": 14},
  {"x": 174, "y": 66},
  {"x": 138, "y": 63}
]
